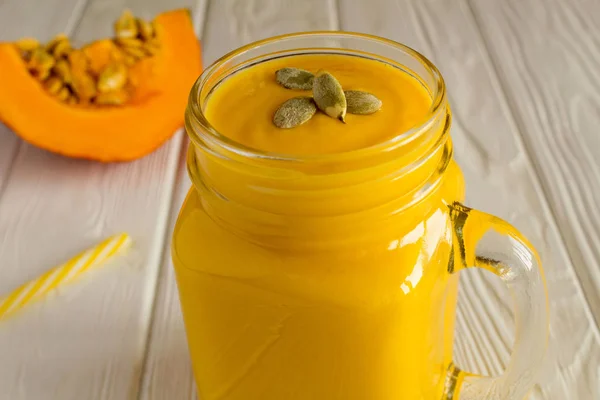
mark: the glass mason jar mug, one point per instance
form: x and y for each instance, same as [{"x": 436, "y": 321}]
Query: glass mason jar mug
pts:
[{"x": 335, "y": 277}]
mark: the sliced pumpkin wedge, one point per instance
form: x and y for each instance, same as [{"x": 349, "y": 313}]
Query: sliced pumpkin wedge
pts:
[{"x": 112, "y": 100}]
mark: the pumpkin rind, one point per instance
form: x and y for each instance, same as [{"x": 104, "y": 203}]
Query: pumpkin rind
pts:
[{"x": 107, "y": 134}]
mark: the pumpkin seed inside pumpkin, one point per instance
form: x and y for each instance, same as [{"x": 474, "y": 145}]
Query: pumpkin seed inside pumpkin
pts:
[
  {"x": 126, "y": 26},
  {"x": 83, "y": 83},
  {"x": 145, "y": 29},
  {"x": 113, "y": 77},
  {"x": 62, "y": 49},
  {"x": 63, "y": 71},
  {"x": 40, "y": 63},
  {"x": 63, "y": 94},
  {"x": 151, "y": 47},
  {"x": 136, "y": 52},
  {"x": 66, "y": 73},
  {"x": 27, "y": 45},
  {"x": 54, "y": 41},
  {"x": 53, "y": 85}
]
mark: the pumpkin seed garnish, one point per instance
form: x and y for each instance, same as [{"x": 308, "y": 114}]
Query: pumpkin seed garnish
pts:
[
  {"x": 294, "y": 112},
  {"x": 329, "y": 95},
  {"x": 361, "y": 103},
  {"x": 295, "y": 78}
]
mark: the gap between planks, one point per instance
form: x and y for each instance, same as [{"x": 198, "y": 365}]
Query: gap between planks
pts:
[
  {"x": 177, "y": 156},
  {"x": 510, "y": 111}
]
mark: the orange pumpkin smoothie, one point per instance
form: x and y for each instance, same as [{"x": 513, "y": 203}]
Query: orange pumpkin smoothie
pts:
[
  {"x": 304, "y": 271},
  {"x": 242, "y": 107}
]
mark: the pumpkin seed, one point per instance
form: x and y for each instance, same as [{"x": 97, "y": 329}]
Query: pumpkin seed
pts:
[
  {"x": 145, "y": 29},
  {"x": 72, "y": 100},
  {"x": 40, "y": 59},
  {"x": 294, "y": 78},
  {"x": 115, "y": 98},
  {"x": 55, "y": 40},
  {"x": 126, "y": 26},
  {"x": 84, "y": 86},
  {"x": 294, "y": 112},
  {"x": 113, "y": 77},
  {"x": 329, "y": 95},
  {"x": 63, "y": 94},
  {"x": 130, "y": 42},
  {"x": 362, "y": 103},
  {"x": 63, "y": 71},
  {"x": 53, "y": 85},
  {"x": 27, "y": 45},
  {"x": 82, "y": 82},
  {"x": 152, "y": 47},
  {"x": 78, "y": 61},
  {"x": 135, "y": 52},
  {"x": 40, "y": 63},
  {"x": 62, "y": 49}
]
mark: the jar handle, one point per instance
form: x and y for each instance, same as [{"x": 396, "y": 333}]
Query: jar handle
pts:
[{"x": 484, "y": 241}]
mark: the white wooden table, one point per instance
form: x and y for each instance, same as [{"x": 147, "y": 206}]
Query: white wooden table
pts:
[{"x": 524, "y": 83}]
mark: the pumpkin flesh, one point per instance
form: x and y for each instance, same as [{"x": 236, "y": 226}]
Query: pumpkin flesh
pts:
[{"x": 106, "y": 134}]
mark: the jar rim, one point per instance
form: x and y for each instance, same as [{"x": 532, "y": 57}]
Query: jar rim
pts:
[{"x": 196, "y": 117}]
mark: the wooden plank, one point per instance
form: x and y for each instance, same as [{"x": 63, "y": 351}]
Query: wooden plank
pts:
[
  {"x": 167, "y": 370},
  {"x": 228, "y": 25},
  {"x": 17, "y": 21},
  {"x": 89, "y": 340},
  {"x": 42, "y": 20},
  {"x": 500, "y": 180},
  {"x": 547, "y": 55}
]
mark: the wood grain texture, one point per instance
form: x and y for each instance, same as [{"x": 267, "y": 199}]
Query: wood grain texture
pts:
[
  {"x": 51, "y": 17},
  {"x": 500, "y": 180},
  {"x": 167, "y": 372},
  {"x": 228, "y": 24},
  {"x": 547, "y": 53},
  {"x": 522, "y": 77},
  {"x": 87, "y": 341}
]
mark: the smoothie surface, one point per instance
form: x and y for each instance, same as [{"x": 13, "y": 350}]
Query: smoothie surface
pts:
[{"x": 242, "y": 106}]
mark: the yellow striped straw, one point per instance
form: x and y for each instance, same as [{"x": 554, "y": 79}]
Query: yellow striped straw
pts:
[{"x": 62, "y": 274}]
